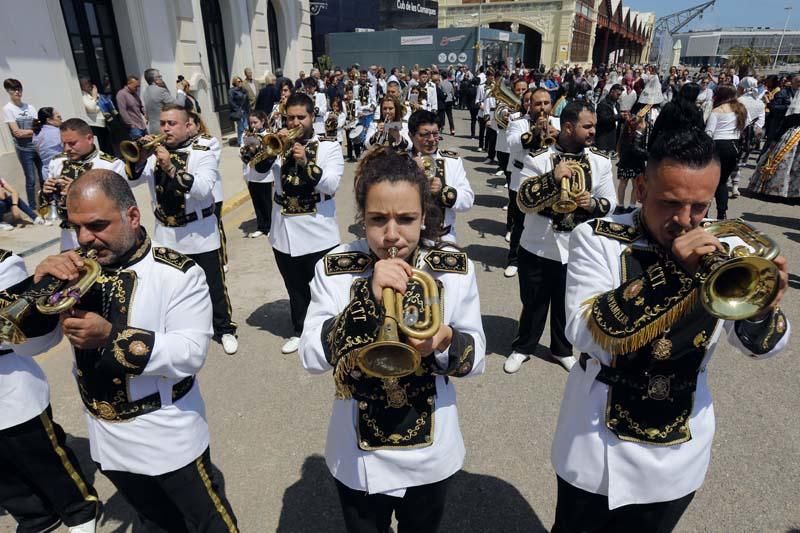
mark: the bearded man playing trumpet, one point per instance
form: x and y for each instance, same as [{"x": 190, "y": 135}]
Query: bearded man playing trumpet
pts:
[
  {"x": 394, "y": 439},
  {"x": 649, "y": 295},
  {"x": 563, "y": 185}
]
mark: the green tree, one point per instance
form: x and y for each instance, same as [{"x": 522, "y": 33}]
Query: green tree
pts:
[
  {"x": 324, "y": 63},
  {"x": 745, "y": 59}
]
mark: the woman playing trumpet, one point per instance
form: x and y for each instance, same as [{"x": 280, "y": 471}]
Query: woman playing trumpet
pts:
[
  {"x": 277, "y": 118},
  {"x": 390, "y": 130},
  {"x": 259, "y": 176},
  {"x": 393, "y": 443}
]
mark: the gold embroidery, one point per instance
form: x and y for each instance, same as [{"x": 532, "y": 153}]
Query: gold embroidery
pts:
[
  {"x": 65, "y": 462},
  {"x": 201, "y": 469}
]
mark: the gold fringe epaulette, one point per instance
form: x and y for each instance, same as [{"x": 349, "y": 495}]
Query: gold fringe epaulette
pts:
[
  {"x": 347, "y": 263},
  {"x": 326, "y": 138},
  {"x": 108, "y": 157},
  {"x": 448, "y": 153},
  {"x": 600, "y": 152},
  {"x": 198, "y": 146}
]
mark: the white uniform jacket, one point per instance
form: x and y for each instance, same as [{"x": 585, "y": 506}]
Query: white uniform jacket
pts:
[
  {"x": 320, "y": 110},
  {"x": 214, "y": 145},
  {"x": 585, "y": 452},
  {"x": 539, "y": 236},
  {"x": 368, "y": 104},
  {"x": 202, "y": 234},
  {"x": 24, "y": 392},
  {"x": 516, "y": 153},
  {"x": 456, "y": 195},
  {"x": 392, "y": 470},
  {"x": 298, "y": 235},
  {"x": 61, "y": 164},
  {"x": 502, "y": 134},
  {"x": 431, "y": 102}
]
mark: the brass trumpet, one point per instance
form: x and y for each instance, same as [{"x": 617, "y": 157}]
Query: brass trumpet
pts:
[
  {"x": 742, "y": 283},
  {"x": 387, "y": 357},
  {"x": 570, "y": 188},
  {"x": 62, "y": 298},
  {"x": 137, "y": 151},
  {"x": 273, "y": 145}
]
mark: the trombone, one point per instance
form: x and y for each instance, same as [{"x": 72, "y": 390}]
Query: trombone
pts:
[
  {"x": 388, "y": 357},
  {"x": 137, "y": 151}
]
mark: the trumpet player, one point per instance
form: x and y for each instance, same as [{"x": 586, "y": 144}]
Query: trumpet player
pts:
[
  {"x": 56, "y": 491},
  {"x": 304, "y": 224},
  {"x": 390, "y": 130},
  {"x": 336, "y": 120},
  {"x": 393, "y": 443},
  {"x": 320, "y": 104},
  {"x": 584, "y": 175},
  {"x": 634, "y": 435},
  {"x": 80, "y": 154},
  {"x": 450, "y": 188},
  {"x": 181, "y": 174},
  {"x": 258, "y": 175},
  {"x": 277, "y": 118},
  {"x": 139, "y": 335},
  {"x": 524, "y": 137}
]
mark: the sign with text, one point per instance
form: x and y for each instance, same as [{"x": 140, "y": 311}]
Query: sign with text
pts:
[
  {"x": 408, "y": 14},
  {"x": 412, "y": 40}
]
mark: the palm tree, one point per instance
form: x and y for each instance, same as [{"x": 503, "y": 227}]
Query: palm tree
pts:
[{"x": 746, "y": 58}]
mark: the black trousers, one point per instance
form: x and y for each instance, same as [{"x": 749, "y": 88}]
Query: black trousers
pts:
[
  {"x": 186, "y": 500},
  {"x": 448, "y": 110},
  {"x": 261, "y": 195},
  {"x": 473, "y": 119},
  {"x": 542, "y": 285},
  {"x": 222, "y": 237},
  {"x": 481, "y": 132},
  {"x": 41, "y": 482},
  {"x": 728, "y": 155},
  {"x": 490, "y": 142},
  {"x": 297, "y": 273},
  {"x": 353, "y": 148},
  {"x": 515, "y": 219},
  {"x": 440, "y": 116},
  {"x": 419, "y": 511},
  {"x": 211, "y": 263},
  {"x": 579, "y": 511}
]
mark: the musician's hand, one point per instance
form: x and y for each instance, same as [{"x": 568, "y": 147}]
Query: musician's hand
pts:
[
  {"x": 64, "y": 266},
  {"x": 783, "y": 283},
  {"x": 85, "y": 330},
  {"x": 379, "y": 127},
  {"x": 436, "y": 186},
  {"x": 584, "y": 200},
  {"x": 693, "y": 245},
  {"x": 50, "y": 185},
  {"x": 441, "y": 341},
  {"x": 64, "y": 182},
  {"x": 163, "y": 160},
  {"x": 299, "y": 154},
  {"x": 394, "y": 135},
  {"x": 562, "y": 171},
  {"x": 542, "y": 123},
  {"x": 390, "y": 273}
]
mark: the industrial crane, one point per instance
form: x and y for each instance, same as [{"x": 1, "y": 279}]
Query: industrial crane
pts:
[{"x": 668, "y": 25}]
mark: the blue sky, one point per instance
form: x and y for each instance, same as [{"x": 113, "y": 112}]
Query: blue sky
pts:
[{"x": 727, "y": 13}]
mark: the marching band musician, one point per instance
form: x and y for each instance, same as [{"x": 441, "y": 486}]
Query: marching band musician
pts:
[
  {"x": 277, "y": 118},
  {"x": 450, "y": 188},
  {"x": 181, "y": 176},
  {"x": 366, "y": 95},
  {"x": 139, "y": 335},
  {"x": 392, "y": 109},
  {"x": 259, "y": 176},
  {"x": 353, "y": 111},
  {"x": 304, "y": 210},
  {"x": 524, "y": 137},
  {"x": 545, "y": 238},
  {"x": 393, "y": 443},
  {"x": 336, "y": 117},
  {"x": 634, "y": 435},
  {"x": 80, "y": 154},
  {"x": 430, "y": 102},
  {"x": 320, "y": 104},
  {"x": 56, "y": 490},
  {"x": 393, "y": 89},
  {"x": 501, "y": 145}
]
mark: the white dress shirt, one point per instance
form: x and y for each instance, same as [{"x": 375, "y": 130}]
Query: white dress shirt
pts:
[
  {"x": 305, "y": 234},
  {"x": 585, "y": 452},
  {"x": 538, "y": 236},
  {"x": 391, "y": 471},
  {"x": 321, "y": 109},
  {"x": 216, "y": 148}
]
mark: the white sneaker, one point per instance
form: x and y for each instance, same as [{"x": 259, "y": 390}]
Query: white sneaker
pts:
[
  {"x": 256, "y": 234},
  {"x": 291, "y": 345},
  {"x": 225, "y": 268},
  {"x": 567, "y": 362},
  {"x": 505, "y": 207},
  {"x": 39, "y": 221},
  {"x": 510, "y": 271},
  {"x": 230, "y": 343},
  {"x": 6, "y": 227},
  {"x": 515, "y": 361},
  {"x": 499, "y": 173},
  {"x": 86, "y": 527},
  {"x": 505, "y": 185},
  {"x": 508, "y": 236}
]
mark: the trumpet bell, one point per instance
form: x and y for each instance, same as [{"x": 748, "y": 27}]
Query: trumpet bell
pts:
[
  {"x": 740, "y": 288},
  {"x": 136, "y": 152},
  {"x": 389, "y": 359},
  {"x": 564, "y": 206}
]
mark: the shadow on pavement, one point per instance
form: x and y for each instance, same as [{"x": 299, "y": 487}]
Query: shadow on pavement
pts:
[
  {"x": 475, "y": 502},
  {"x": 793, "y": 236},
  {"x": 486, "y": 225},
  {"x": 785, "y": 222},
  {"x": 490, "y": 200},
  {"x": 274, "y": 317},
  {"x": 488, "y": 256},
  {"x": 500, "y": 331},
  {"x": 248, "y": 226}
]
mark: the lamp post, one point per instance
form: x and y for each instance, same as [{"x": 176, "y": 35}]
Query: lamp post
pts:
[
  {"x": 780, "y": 43},
  {"x": 478, "y": 43}
]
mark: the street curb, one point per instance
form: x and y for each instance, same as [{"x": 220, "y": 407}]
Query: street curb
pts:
[{"x": 235, "y": 202}]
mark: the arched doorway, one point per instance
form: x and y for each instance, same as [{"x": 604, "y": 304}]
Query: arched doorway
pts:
[
  {"x": 274, "y": 42},
  {"x": 533, "y": 42},
  {"x": 219, "y": 74}
]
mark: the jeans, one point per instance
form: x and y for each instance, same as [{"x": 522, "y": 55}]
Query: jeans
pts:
[
  {"x": 5, "y": 207},
  {"x": 241, "y": 126},
  {"x": 135, "y": 133},
  {"x": 28, "y": 160}
]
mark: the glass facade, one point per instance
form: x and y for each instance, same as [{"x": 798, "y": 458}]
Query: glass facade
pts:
[{"x": 768, "y": 42}]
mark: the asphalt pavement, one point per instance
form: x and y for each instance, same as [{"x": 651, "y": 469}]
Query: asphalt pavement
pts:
[{"x": 269, "y": 418}]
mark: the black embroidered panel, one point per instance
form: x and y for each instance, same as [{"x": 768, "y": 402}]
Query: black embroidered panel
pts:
[
  {"x": 651, "y": 388},
  {"x": 347, "y": 263},
  {"x": 170, "y": 191},
  {"x": 566, "y": 222},
  {"x": 172, "y": 258},
  {"x": 398, "y": 415},
  {"x": 762, "y": 337},
  {"x": 461, "y": 355},
  {"x": 537, "y": 192},
  {"x": 355, "y": 327},
  {"x": 447, "y": 261},
  {"x": 299, "y": 182},
  {"x": 616, "y": 231},
  {"x": 71, "y": 170}
]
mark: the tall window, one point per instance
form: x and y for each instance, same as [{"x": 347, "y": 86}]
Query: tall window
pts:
[
  {"x": 272, "y": 32},
  {"x": 582, "y": 28},
  {"x": 217, "y": 61},
  {"x": 94, "y": 41}
]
